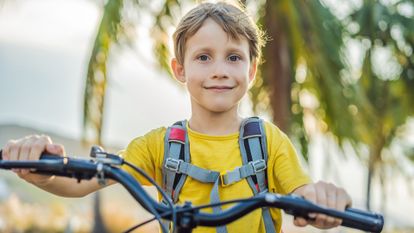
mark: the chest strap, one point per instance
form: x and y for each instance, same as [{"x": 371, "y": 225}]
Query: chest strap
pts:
[
  {"x": 198, "y": 173},
  {"x": 240, "y": 173}
]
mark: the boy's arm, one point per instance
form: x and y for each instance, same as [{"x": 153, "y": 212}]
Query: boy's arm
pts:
[
  {"x": 68, "y": 187},
  {"x": 327, "y": 195},
  {"x": 30, "y": 148}
]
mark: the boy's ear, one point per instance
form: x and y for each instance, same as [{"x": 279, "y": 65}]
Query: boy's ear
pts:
[
  {"x": 252, "y": 70},
  {"x": 178, "y": 70}
]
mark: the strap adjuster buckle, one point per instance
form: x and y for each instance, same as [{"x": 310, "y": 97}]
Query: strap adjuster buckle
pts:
[
  {"x": 258, "y": 165},
  {"x": 224, "y": 181},
  {"x": 173, "y": 164}
]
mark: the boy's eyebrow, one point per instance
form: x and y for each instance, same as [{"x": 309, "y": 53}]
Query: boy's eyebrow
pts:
[
  {"x": 202, "y": 49},
  {"x": 236, "y": 50},
  {"x": 210, "y": 50}
]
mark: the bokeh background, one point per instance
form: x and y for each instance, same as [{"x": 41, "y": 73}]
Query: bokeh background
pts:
[{"x": 338, "y": 77}]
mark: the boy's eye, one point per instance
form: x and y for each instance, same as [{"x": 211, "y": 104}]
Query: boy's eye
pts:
[
  {"x": 203, "y": 58},
  {"x": 234, "y": 58}
]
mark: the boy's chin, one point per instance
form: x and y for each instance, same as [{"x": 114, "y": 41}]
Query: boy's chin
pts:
[{"x": 219, "y": 109}]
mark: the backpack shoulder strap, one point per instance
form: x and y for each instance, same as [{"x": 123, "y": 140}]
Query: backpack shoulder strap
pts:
[
  {"x": 176, "y": 149},
  {"x": 253, "y": 150}
]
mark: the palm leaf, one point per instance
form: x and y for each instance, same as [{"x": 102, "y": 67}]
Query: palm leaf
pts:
[
  {"x": 114, "y": 29},
  {"x": 96, "y": 81}
]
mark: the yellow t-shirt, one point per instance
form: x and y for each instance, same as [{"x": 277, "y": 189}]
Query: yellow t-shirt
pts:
[{"x": 222, "y": 153}]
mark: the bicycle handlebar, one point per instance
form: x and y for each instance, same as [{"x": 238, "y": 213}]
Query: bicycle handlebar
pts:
[{"x": 84, "y": 169}]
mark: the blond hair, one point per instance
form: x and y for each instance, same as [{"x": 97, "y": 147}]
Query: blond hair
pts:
[{"x": 231, "y": 17}]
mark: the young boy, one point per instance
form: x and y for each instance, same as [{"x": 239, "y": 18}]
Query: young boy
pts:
[{"x": 217, "y": 49}]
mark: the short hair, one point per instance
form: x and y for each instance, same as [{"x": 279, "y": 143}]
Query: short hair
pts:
[{"x": 231, "y": 17}]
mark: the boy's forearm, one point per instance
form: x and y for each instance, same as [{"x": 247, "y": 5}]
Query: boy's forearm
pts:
[{"x": 69, "y": 187}]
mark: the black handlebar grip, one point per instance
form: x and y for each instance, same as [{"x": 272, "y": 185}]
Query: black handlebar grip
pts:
[{"x": 375, "y": 224}]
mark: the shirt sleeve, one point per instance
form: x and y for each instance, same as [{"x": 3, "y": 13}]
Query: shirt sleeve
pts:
[
  {"x": 285, "y": 172},
  {"x": 145, "y": 152}
]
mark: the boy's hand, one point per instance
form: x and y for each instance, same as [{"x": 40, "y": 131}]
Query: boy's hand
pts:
[
  {"x": 30, "y": 148},
  {"x": 323, "y": 194}
]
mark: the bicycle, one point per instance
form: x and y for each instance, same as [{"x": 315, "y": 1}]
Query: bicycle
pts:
[{"x": 184, "y": 217}]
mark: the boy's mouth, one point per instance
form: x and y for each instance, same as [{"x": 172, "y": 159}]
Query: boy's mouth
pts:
[{"x": 219, "y": 87}]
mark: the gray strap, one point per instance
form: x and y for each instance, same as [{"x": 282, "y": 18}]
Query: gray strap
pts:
[
  {"x": 180, "y": 183},
  {"x": 215, "y": 198},
  {"x": 267, "y": 220},
  {"x": 263, "y": 139},
  {"x": 264, "y": 150},
  {"x": 170, "y": 174},
  {"x": 200, "y": 174},
  {"x": 244, "y": 171},
  {"x": 166, "y": 223},
  {"x": 236, "y": 175},
  {"x": 179, "y": 166},
  {"x": 256, "y": 152}
]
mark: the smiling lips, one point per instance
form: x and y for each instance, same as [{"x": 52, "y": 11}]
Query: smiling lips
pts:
[{"x": 219, "y": 88}]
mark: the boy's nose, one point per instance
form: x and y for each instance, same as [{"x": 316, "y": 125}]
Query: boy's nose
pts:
[{"x": 220, "y": 70}]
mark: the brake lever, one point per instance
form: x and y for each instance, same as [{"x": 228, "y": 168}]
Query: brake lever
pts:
[{"x": 100, "y": 155}]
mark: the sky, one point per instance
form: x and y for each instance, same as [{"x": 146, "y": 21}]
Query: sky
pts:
[{"x": 44, "y": 49}]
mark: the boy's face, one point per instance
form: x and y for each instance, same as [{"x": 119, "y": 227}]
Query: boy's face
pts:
[{"x": 216, "y": 69}]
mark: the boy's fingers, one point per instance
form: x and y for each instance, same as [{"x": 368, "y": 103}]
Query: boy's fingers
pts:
[
  {"x": 326, "y": 195},
  {"x": 321, "y": 199},
  {"x": 331, "y": 200},
  {"x": 300, "y": 222},
  {"x": 6, "y": 149},
  {"x": 309, "y": 193},
  {"x": 320, "y": 220},
  {"x": 331, "y": 195},
  {"x": 25, "y": 150},
  {"x": 14, "y": 152},
  {"x": 344, "y": 200},
  {"x": 39, "y": 146},
  {"x": 55, "y": 149},
  {"x": 321, "y": 194},
  {"x": 337, "y": 222},
  {"x": 26, "y": 147},
  {"x": 22, "y": 173}
]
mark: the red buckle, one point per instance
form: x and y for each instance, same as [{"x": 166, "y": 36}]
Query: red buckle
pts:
[{"x": 177, "y": 134}]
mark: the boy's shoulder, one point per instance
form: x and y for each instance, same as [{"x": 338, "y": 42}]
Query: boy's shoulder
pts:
[
  {"x": 151, "y": 136},
  {"x": 275, "y": 137},
  {"x": 272, "y": 129}
]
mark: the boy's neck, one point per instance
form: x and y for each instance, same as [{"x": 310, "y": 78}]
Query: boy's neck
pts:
[{"x": 215, "y": 123}]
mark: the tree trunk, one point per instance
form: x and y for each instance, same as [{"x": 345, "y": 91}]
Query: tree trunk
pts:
[
  {"x": 369, "y": 180},
  {"x": 383, "y": 192},
  {"x": 277, "y": 66},
  {"x": 374, "y": 158},
  {"x": 99, "y": 225}
]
